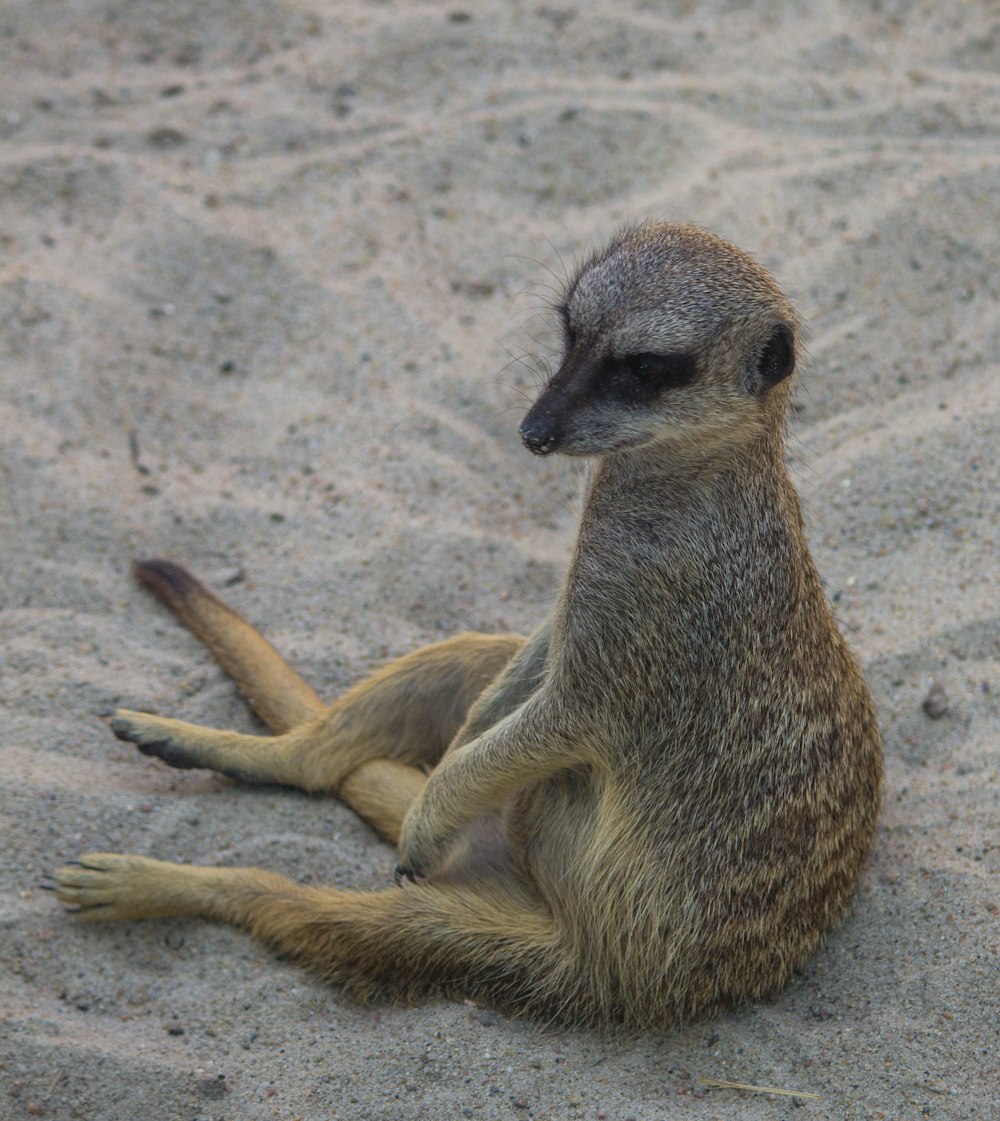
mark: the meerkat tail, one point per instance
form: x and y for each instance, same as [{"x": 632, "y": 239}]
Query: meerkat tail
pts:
[{"x": 276, "y": 692}]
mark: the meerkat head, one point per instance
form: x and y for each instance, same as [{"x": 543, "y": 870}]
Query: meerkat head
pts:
[{"x": 671, "y": 336}]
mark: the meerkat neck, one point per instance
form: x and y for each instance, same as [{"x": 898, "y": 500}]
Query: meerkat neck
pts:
[
  {"x": 709, "y": 529},
  {"x": 718, "y": 546},
  {"x": 663, "y": 484}
]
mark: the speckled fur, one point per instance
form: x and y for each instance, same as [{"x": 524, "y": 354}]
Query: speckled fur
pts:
[{"x": 658, "y": 803}]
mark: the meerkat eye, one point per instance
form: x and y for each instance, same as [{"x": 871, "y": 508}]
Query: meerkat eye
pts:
[
  {"x": 660, "y": 371},
  {"x": 638, "y": 379}
]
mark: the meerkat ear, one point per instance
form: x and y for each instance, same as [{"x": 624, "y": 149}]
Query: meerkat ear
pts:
[{"x": 774, "y": 363}]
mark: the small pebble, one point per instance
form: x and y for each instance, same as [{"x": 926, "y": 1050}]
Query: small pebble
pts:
[
  {"x": 165, "y": 137},
  {"x": 936, "y": 702}
]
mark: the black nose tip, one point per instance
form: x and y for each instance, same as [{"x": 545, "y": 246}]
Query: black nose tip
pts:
[
  {"x": 538, "y": 435},
  {"x": 538, "y": 444}
]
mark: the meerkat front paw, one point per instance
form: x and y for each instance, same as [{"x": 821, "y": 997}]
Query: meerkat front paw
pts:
[
  {"x": 152, "y": 736},
  {"x": 421, "y": 848}
]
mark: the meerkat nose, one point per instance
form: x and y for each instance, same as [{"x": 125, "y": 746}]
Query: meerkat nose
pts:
[{"x": 537, "y": 437}]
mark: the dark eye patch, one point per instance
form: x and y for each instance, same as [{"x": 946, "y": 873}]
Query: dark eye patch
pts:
[{"x": 640, "y": 378}]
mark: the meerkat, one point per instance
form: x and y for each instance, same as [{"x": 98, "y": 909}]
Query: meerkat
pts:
[{"x": 656, "y": 804}]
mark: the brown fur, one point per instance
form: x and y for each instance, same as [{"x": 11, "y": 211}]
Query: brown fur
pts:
[{"x": 658, "y": 802}]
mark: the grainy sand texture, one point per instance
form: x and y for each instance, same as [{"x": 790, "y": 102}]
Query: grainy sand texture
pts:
[{"x": 273, "y": 278}]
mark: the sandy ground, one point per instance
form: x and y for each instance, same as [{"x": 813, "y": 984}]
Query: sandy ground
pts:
[{"x": 270, "y": 279}]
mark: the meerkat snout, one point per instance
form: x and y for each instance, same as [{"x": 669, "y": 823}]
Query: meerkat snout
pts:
[
  {"x": 601, "y": 384},
  {"x": 671, "y": 335}
]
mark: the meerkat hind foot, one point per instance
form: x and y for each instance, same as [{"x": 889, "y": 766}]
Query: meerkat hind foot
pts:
[
  {"x": 152, "y": 735},
  {"x": 252, "y": 759},
  {"x": 107, "y": 886}
]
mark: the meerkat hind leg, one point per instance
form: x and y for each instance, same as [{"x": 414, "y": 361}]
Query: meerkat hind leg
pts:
[
  {"x": 407, "y": 712},
  {"x": 371, "y": 746},
  {"x": 379, "y": 791},
  {"x": 495, "y": 939},
  {"x": 256, "y": 759}
]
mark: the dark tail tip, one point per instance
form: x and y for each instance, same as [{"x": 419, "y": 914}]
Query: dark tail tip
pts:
[{"x": 168, "y": 581}]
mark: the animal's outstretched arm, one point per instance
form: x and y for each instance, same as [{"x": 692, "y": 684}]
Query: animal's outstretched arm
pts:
[{"x": 476, "y": 778}]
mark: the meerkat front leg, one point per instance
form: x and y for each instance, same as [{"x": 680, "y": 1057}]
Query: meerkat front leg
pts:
[
  {"x": 476, "y": 778},
  {"x": 383, "y": 790}
]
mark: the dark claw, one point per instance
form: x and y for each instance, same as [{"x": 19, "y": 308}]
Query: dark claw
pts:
[
  {"x": 48, "y": 884},
  {"x": 402, "y": 873},
  {"x": 122, "y": 729},
  {"x": 247, "y": 777},
  {"x": 81, "y": 908},
  {"x": 172, "y": 755}
]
